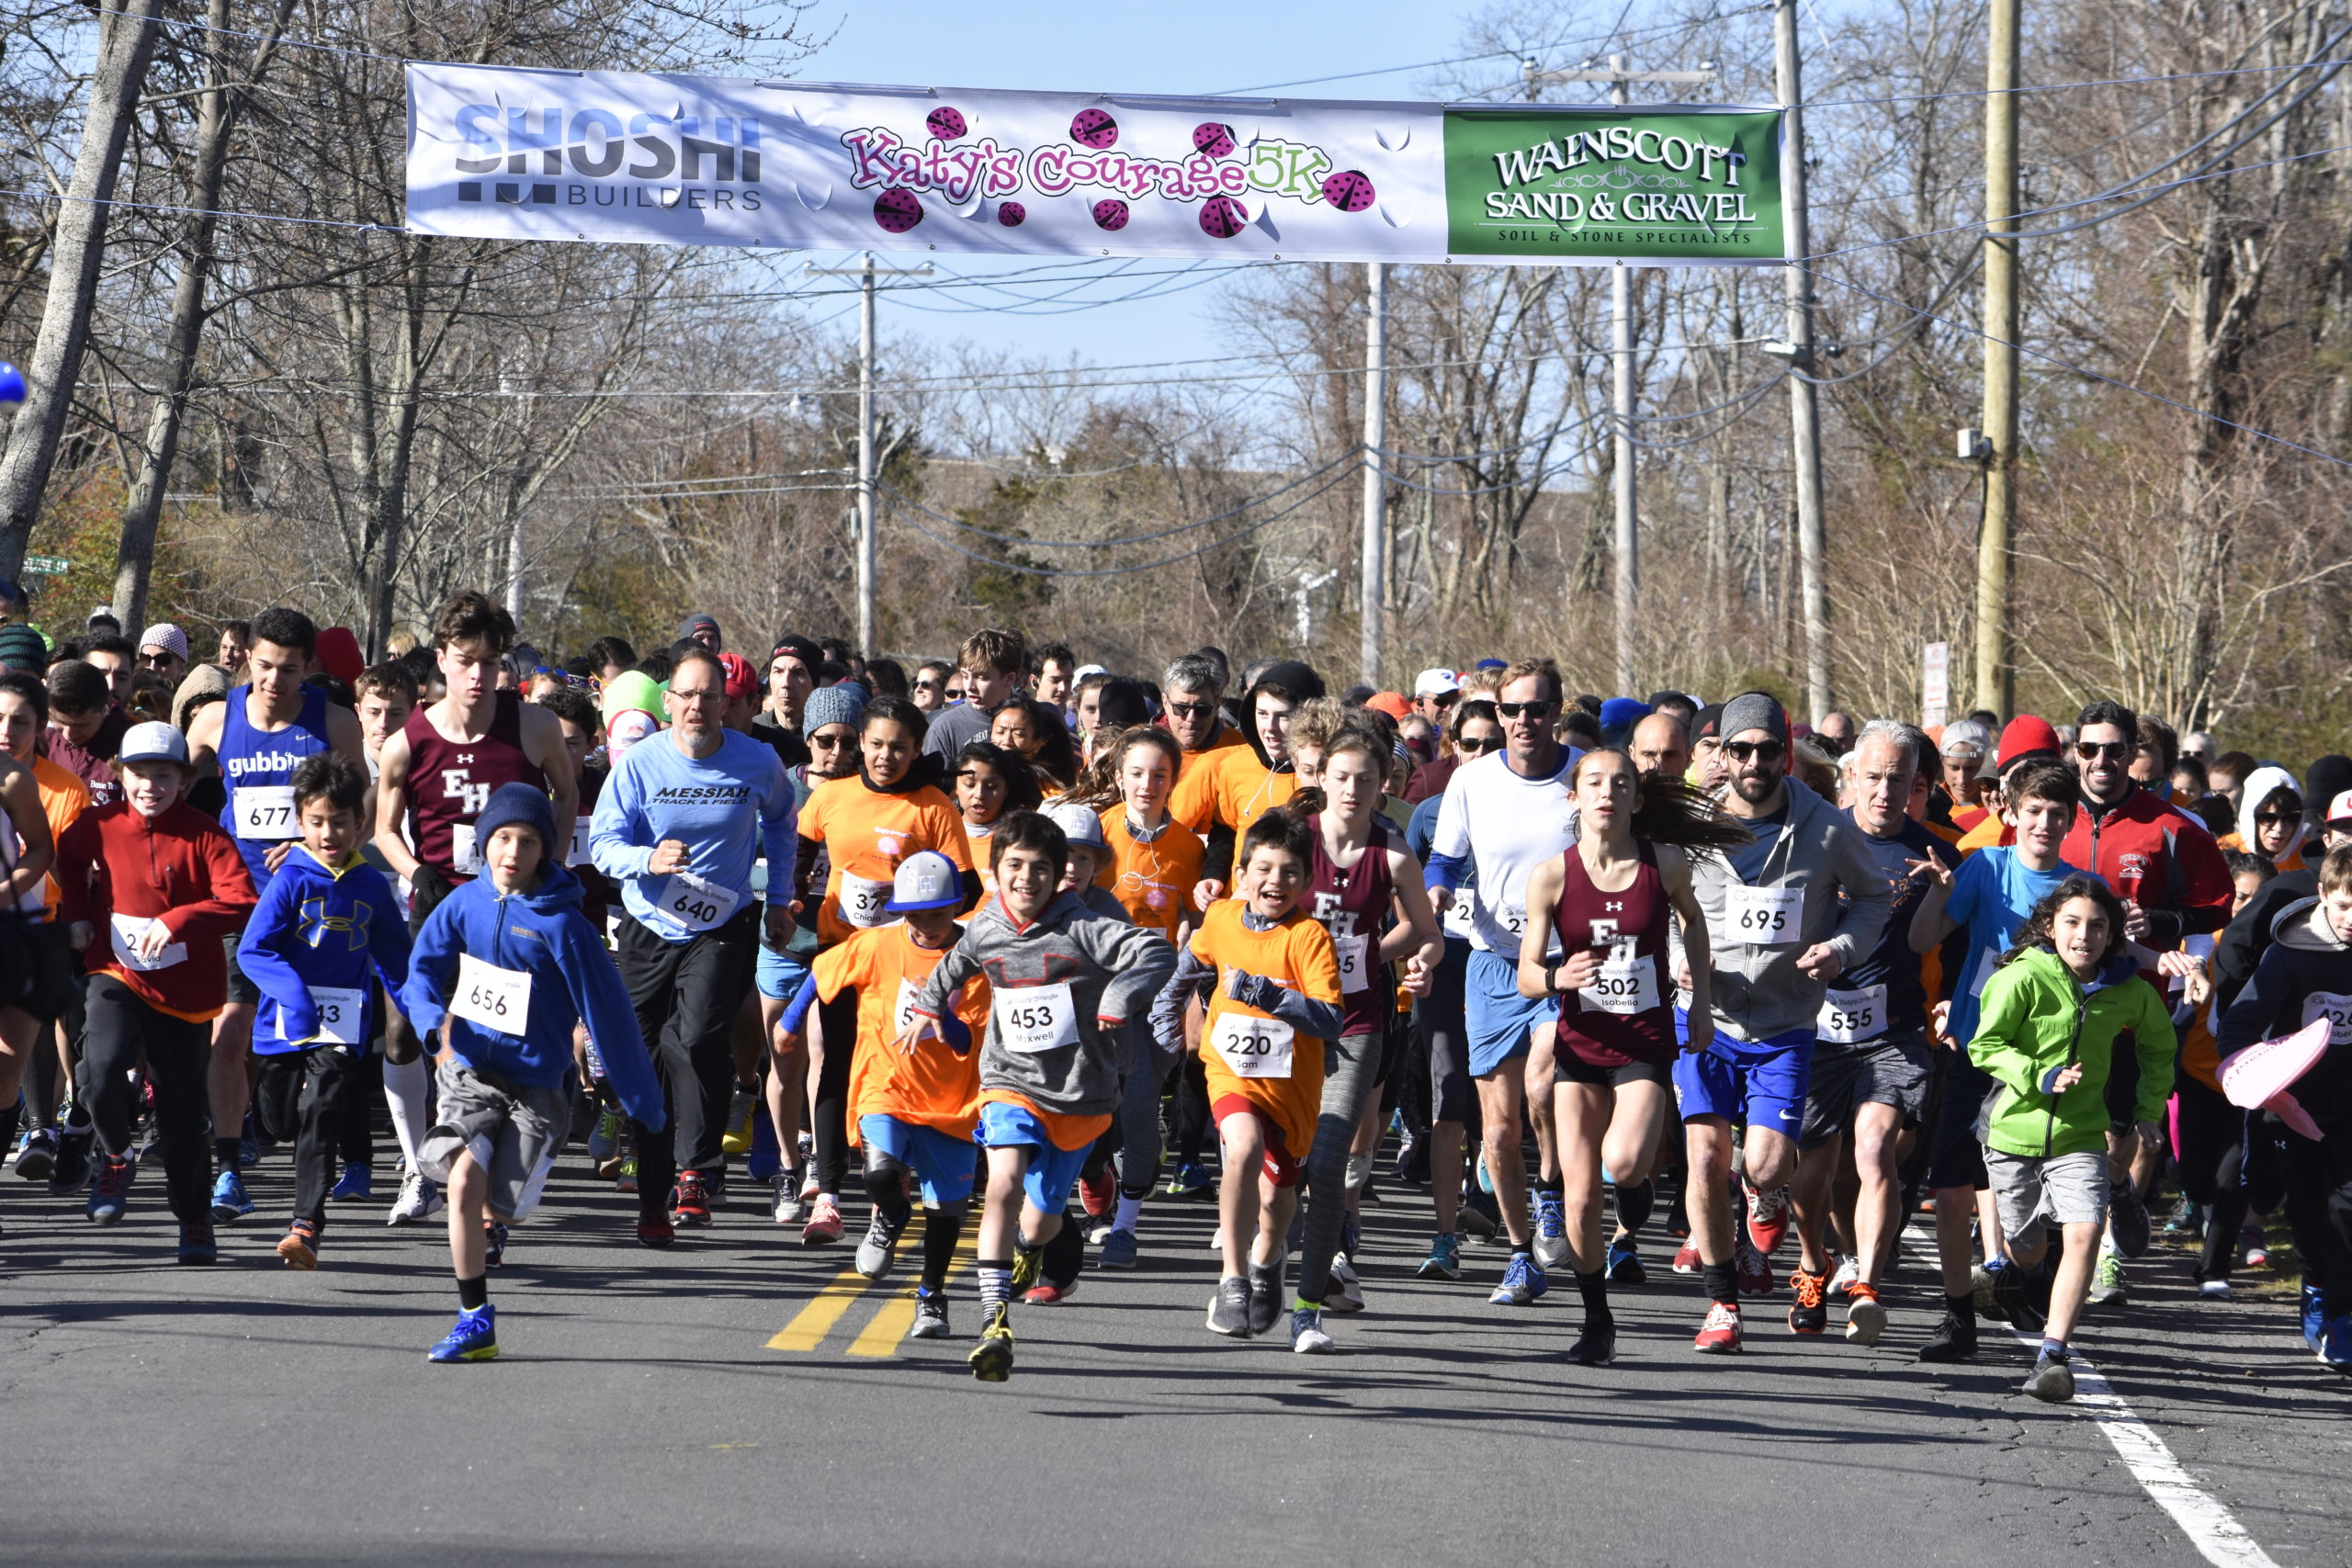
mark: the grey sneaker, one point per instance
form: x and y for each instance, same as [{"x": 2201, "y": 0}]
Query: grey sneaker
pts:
[
  {"x": 2053, "y": 1380},
  {"x": 787, "y": 1207},
  {"x": 1229, "y": 1308},
  {"x": 2127, "y": 1219},
  {"x": 1307, "y": 1336},
  {"x": 1347, "y": 1291},
  {"x": 879, "y": 1249},
  {"x": 1265, "y": 1298},
  {"x": 930, "y": 1316}
]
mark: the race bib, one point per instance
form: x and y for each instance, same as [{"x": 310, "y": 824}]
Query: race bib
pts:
[
  {"x": 264, "y": 811},
  {"x": 1624, "y": 986},
  {"x": 1849, "y": 1018},
  {"x": 1513, "y": 918},
  {"x": 863, "y": 902},
  {"x": 2334, "y": 1007},
  {"x": 1030, "y": 1019},
  {"x": 1764, "y": 916},
  {"x": 694, "y": 903},
  {"x": 1254, "y": 1047},
  {"x": 1461, "y": 917},
  {"x": 578, "y": 853},
  {"x": 494, "y": 998},
  {"x": 1355, "y": 963},
  {"x": 904, "y": 1018},
  {"x": 342, "y": 1009},
  {"x": 128, "y": 929},
  {"x": 465, "y": 850}
]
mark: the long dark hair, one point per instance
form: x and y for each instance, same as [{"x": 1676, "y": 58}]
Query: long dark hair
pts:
[
  {"x": 1098, "y": 786},
  {"x": 1019, "y": 779},
  {"x": 1056, "y": 757},
  {"x": 2035, "y": 932},
  {"x": 1667, "y": 810}
]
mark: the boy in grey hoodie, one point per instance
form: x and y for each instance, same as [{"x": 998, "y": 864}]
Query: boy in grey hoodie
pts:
[{"x": 1064, "y": 979}]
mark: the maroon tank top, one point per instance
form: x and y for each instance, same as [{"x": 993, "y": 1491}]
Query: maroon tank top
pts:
[
  {"x": 450, "y": 783},
  {"x": 1353, "y": 907},
  {"x": 1627, "y": 1015}
]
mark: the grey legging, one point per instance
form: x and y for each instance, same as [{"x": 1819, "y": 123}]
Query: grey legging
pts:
[
  {"x": 1147, "y": 1070},
  {"x": 1351, "y": 1077}
]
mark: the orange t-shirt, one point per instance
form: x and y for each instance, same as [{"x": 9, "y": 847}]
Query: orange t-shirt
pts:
[
  {"x": 1296, "y": 954},
  {"x": 866, "y": 834},
  {"x": 62, "y": 798},
  {"x": 1152, "y": 882},
  {"x": 933, "y": 1086}
]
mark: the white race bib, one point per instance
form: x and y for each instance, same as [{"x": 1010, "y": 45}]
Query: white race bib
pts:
[
  {"x": 1764, "y": 916},
  {"x": 494, "y": 998},
  {"x": 865, "y": 903},
  {"x": 341, "y": 1010},
  {"x": 905, "y": 1018},
  {"x": 1849, "y": 1018},
  {"x": 128, "y": 929},
  {"x": 465, "y": 850},
  {"x": 1030, "y": 1019},
  {"x": 694, "y": 903},
  {"x": 1254, "y": 1047},
  {"x": 264, "y": 811},
  {"x": 1355, "y": 963},
  {"x": 578, "y": 853},
  {"x": 1461, "y": 916},
  {"x": 2334, "y": 1007},
  {"x": 1624, "y": 986}
]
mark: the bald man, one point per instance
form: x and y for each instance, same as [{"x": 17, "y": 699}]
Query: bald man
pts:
[{"x": 1660, "y": 744}]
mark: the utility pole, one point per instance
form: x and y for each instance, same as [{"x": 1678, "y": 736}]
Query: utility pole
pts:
[
  {"x": 1996, "y": 674},
  {"x": 1375, "y": 492},
  {"x": 866, "y": 272},
  {"x": 1628, "y": 568},
  {"x": 514, "y": 483},
  {"x": 1804, "y": 408}
]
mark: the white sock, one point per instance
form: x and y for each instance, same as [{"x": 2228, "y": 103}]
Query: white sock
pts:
[
  {"x": 407, "y": 1092},
  {"x": 1130, "y": 1210}
]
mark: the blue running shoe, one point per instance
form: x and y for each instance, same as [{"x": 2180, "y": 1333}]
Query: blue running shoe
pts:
[
  {"x": 2314, "y": 1316},
  {"x": 356, "y": 1185},
  {"x": 1486, "y": 1177},
  {"x": 1118, "y": 1250},
  {"x": 1625, "y": 1265},
  {"x": 230, "y": 1204},
  {"x": 1444, "y": 1261},
  {"x": 2336, "y": 1344},
  {"x": 1551, "y": 1230},
  {"x": 1190, "y": 1180},
  {"x": 110, "y": 1194},
  {"x": 475, "y": 1338},
  {"x": 1524, "y": 1281},
  {"x": 765, "y": 1159}
]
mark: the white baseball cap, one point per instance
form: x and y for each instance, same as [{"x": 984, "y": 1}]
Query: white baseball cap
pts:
[
  {"x": 153, "y": 742},
  {"x": 2339, "y": 809},
  {"x": 1080, "y": 824},
  {"x": 925, "y": 880},
  {"x": 1436, "y": 683}
]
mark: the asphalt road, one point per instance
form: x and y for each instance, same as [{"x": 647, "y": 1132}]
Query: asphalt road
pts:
[{"x": 641, "y": 1411}]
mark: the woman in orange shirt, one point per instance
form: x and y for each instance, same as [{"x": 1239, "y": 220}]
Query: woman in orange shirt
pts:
[{"x": 1273, "y": 979}]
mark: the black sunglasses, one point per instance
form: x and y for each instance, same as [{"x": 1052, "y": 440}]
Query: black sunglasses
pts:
[
  {"x": 1490, "y": 743},
  {"x": 1760, "y": 750},
  {"x": 2276, "y": 818},
  {"x": 1192, "y": 710},
  {"x": 1531, "y": 710},
  {"x": 2092, "y": 751}
]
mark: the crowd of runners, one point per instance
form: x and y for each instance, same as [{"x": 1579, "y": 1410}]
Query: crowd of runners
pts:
[{"x": 1619, "y": 980}]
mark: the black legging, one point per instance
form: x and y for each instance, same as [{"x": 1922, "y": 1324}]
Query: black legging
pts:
[
  {"x": 120, "y": 1030},
  {"x": 829, "y": 1117}
]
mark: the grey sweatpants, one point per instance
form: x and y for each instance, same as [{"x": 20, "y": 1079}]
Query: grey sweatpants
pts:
[
  {"x": 1351, "y": 1077},
  {"x": 1147, "y": 1070}
]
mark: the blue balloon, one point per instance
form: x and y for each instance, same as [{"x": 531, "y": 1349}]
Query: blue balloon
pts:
[{"x": 12, "y": 388}]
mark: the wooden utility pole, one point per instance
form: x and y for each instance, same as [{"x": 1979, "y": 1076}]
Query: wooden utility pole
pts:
[
  {"x": 1996, "y": 672},
  {"x": 1375, "y": 569},
  {"x": 865, "y": 272},
  {"x": 1804, "y": 408}
]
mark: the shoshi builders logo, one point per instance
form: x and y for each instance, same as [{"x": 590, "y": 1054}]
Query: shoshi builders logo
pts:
[{"x": 710, "y": 162}]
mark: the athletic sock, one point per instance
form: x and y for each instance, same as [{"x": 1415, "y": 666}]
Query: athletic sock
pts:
[
  {"x": 1962, "y": 1306},
  {"x": 407, "y": 1094},
  {"x": 889, "y": 1195},
  {"x": 1721, "y": 1281},
  {"x": 1594, "y": 1289},
  {"x": 1634, "y": 1206},
  {"x": 1130, "y": 1210},
  {"x": 2052, "y": 1349},
  {"x": 996, "y": 1283},
  {"x": 224, "y": 1154},
  {"x": 474, "y": 1294},
  {"x": 941, "y": 1226}
]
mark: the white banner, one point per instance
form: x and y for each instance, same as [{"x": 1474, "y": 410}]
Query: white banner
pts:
[{"x": 531, "y": 154}]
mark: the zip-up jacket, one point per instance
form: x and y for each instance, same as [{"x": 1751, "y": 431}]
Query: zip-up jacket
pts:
[
  {"x": 2305, "y": 973},
  {"x": 317, "y": 925},
  {"x": 179, "y": 868},
  {"x": 2161, "y": 858},
  {"x": 2037, "y": 1022}
]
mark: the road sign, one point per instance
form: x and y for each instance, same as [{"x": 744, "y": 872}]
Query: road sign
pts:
[
  {"x": 1935, "y": 685},
  {"x": 47, "y": 566}
]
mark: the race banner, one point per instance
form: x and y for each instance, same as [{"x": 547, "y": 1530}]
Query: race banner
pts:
[{"x": 499, "y": 153}]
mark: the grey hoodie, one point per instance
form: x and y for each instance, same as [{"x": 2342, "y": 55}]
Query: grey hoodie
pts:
[
  {"x": 1758, "y": 991},
  {"x": 1113, "y": 970}
]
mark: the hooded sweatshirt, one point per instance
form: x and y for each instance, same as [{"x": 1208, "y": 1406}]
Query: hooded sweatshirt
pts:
[
  {"x": 543, "y": 936},
  {"x": 1113, "y": 971},
  {"x": 320, "y": 926},
  {"x": 2037, "y": 1020},
  {"x": 2260, "y": 786},
  {"x": 2306, "y": 973}
]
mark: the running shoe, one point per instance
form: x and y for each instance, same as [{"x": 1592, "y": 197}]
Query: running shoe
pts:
[
  {"x": 2013, "y": 1298},
  {"x": 1028, "y": 1267},
  {"x": 2109, "y": 1285},
  {"x": 1596, "y": 1347},
  {"x": 1524, "y": 1281},
  {"x": 880, "y": 1247},
  {"x": 808, "y": 1188},
  {"x": 110, "y": 1194},
  {"x": 1767, "y": 1217},
  {"x": 1686, "y": 1257},
  {"x": 624, "y": 1178},
  {"x": 991, "y": 1358},
  {"x": 824, "y": 1225},
  {"x": 1412, "y": 1167},
  {"x": 2336, "y": 1344},
  {"x": 1842, "y": 1278},
  {"x": 300, "y": 1245},
  {"x": 766, "y": 1158},
  {"x": 1099, "y": 1194},
  {"x": 1191, "y": 1179},
  {"x": 2213, "y": 1290},
  {"x": 1097, "y": 1228},
  {"x": 2127, "y": 1222},
  {"x": 196, "y": 1245},
  {"x": 1551, "y": 1230},
  {"x": 690, "y": 1202},
  {"x": 475, "y": 1338},
  {"x": 656, "y": 1232},
  {"x": 1810, "y": 1312},
  {"x": 1229, "y": 1308},
  {"x": 1625, "y": 1266},
  {"x": 1486, "y": 1177},
  {"x": 2257, "y": 1247},
  {"x": 1719, "y": 1334},
  {"x": 230, "y": 1204},
  {"x": 785, "y": 1205},
  {"x": 36, "y": 1155},
  {"x": 74, "y": 1137},
  {"x": 1480, "y": 1216},
  {"x": 1754, "y": 1269},
  {"x": 930, "y": 1316},
  {"x": 1982, "y": 1280},
  {"x": 249, "y": 1145},
  {"x": 356, "y": 1185},
  {"x": 2186, "y": 1219},
  {"x": 1865, "y": 1316},
  {"x": 1265, "y": 1298},
  {"x": 420, "y": 1197},
  {"x": 1953, "y": 1340},
  {"x": 2314, "y": 1316},
  {"x": 1347, "y": 1291},
  {"x": 1117, "y": 1251},
  {"x": 1444, "y": 1261},
  {"x": 493, "y": 1244},
  {"x": 1307, "y": 1335},
  {"x": 2053, "y": 1380},
  {"x": 741, "y": 1111},
  {"x": 604, "y": 1141},
  {"x": 1049, "y": 1293}
]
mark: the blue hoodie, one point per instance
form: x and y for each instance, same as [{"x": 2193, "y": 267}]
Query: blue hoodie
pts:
[
  {"x": 336, "y": 927},
  {"x": 543, "y": 935}
]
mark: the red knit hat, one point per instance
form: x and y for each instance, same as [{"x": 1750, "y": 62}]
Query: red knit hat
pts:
[{"x": 2027, "y": 736}]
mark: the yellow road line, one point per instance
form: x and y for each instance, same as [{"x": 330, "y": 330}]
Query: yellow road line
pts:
[
  {"x": 812, "y": 1323},
  {"x": 883, "y": 1335}
]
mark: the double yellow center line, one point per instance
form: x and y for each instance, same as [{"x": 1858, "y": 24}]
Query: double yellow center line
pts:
[{"x": 886, "y": 1330}]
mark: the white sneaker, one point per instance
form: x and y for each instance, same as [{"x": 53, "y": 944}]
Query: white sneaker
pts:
[
  {"x": 1842, "y": 1278},
  {"x": 419, "y": 1198},
  {"x": 788, "y": 1207},
  {"x": 1347, "y": 1291},
  {"x": 2213, "y": 1290},
  {"x": 1307, "y": 1336}
]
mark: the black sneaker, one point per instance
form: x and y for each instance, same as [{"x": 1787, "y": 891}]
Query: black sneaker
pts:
[
  {"x": 2013, "y": 1298},
  {"x": 493, "y": 1244},
  {"x": 930, "y": 1316},
  {"x": 991, "y": 1358},
  {"x": 1596, "y": 1347},
  {"x": 1265, "y": 1298},
  {"x": 196, "y": 1245},
  {"x": 2127, "y": 1219},
  {"x": 2053, "y": 1380},
  {"x": 1953, "y": 1340},
  {"x": 70, "y": 1172},
  {"x": 1479, "y": 1216},
  {"x": 1229, "y": 1308}
]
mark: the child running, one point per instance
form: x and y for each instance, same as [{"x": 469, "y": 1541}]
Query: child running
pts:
[
  {"x": 989, "y": 781},
  {"x": 512, "y": 965}
]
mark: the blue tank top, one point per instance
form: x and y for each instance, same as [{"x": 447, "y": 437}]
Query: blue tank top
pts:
[{"x": 257, "y": 769}]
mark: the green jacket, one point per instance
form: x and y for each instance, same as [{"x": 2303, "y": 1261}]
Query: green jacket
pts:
[{"x": 2036, "y": 1021}]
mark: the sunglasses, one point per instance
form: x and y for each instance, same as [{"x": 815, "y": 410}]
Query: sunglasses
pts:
[
  {"x": 1759, "y": 750},
  {"x": 1192, "y": 710},
  {"x": 1490, "y": 743},
  {"x": 830, "y": 743},
  {"x": 926, "y": 685},
  {"x": 1529, "y": 710},
  {"x": 155, "y": 661},
  {"x": 2092, "y": 751},
  {"x": 1442, "y": 699},
  {"x": 2277, "y": 818}
]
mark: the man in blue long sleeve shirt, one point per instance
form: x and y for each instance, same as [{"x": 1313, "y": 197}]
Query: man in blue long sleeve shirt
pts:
[{"x": 676, "y": 829}]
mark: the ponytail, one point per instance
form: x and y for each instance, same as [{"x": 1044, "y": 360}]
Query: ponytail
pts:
[
  {"x": 1669, "y": 810},
  {"x": 1098, "y": 786}
]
